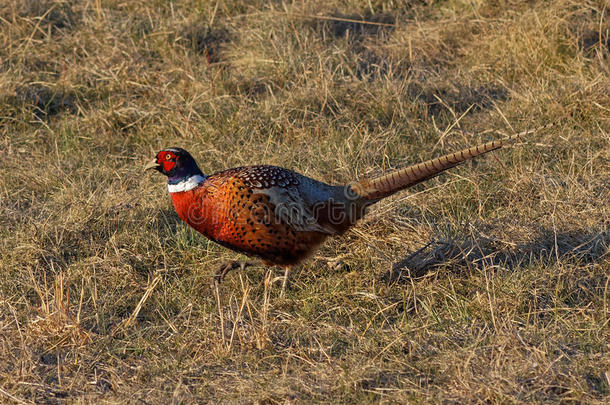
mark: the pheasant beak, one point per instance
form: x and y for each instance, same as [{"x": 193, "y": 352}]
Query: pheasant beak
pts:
[{"x": 152, "y": 165}]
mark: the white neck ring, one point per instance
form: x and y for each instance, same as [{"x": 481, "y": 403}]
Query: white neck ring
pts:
[{"x": 186, "y": 184}]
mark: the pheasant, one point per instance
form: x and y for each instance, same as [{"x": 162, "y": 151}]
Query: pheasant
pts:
[{"x": 276, "y": 214}]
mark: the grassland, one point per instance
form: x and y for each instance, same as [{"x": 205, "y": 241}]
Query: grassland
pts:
[{"x": 487, "y": 285}]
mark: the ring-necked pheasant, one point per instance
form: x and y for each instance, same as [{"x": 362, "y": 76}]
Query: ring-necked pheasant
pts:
[{"x": 279, "y": 215}]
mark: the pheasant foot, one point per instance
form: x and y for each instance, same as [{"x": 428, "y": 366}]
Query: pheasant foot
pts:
[{"x": 225, "y": 268}]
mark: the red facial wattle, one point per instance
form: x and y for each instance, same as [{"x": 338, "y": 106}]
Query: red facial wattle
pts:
[{"x": 167, "y": 160}]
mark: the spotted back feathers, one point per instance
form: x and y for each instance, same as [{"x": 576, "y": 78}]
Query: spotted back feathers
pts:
[{"x": 263, "y": 176}]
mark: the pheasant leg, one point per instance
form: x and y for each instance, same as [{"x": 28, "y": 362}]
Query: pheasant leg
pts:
[
  {"x": 225, "y": 268},
  {"x": 285, "y": 281}
]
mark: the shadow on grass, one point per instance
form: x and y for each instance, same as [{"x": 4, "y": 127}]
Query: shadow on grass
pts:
[
  {"x": 54, "y": 16},
  {"x": 358, "y": 25},
  {"x": 204, "y": 40},
  {"x": 438, "y": 99},
  {"x": 45, "y": 102},
  {"x": 584, "y": 247}
]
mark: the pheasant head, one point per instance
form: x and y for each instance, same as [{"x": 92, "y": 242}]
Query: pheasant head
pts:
[{"x": 180, "y": 168}]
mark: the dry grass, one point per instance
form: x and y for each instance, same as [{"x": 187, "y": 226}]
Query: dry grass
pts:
[{"x": 489, "y": 284}]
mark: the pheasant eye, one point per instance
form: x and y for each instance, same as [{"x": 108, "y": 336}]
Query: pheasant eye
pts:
[{"x": 168, "y": 156}]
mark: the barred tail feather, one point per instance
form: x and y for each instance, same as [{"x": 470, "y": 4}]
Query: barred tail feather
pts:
[{"x": 388, "y": 184}]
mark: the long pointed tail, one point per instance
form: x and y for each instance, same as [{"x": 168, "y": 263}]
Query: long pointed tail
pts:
[{"x": 388, "y": 184}]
